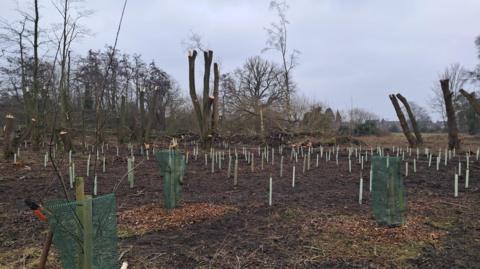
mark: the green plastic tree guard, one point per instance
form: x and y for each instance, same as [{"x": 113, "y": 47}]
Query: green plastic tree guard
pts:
[
  {"x": 172, "y": 169},
  {"x": 388, "y": 191}
]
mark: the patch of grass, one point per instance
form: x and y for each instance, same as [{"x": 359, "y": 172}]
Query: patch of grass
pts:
[
  {"x": 360, "y": 239},
  {"x": 291, "y": 214},
  {"x": 399, "y": 253},
  {"x": 123, "y": 232},
  {"x": 446, "y": 224},
  {"x": 29, "y": 258}
]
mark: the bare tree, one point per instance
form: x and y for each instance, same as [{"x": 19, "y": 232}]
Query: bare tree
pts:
[
  {"x": 194, "y": 42},
  {"x": 277, "y": 39},
  {"x": 36, "y": 136},
  {"x": 257, "y": 89},
  {"x": 423, "y": 119},
  {"x": 71, "y": 31},
  {"x": 13, "y": 35},
  {"x": 359, "y": 116}
]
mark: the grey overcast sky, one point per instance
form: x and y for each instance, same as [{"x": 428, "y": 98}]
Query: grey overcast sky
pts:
[{"x": 353, "y": 52}]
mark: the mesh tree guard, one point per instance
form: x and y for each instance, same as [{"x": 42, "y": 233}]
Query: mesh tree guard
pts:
[
  {"x": 172, "y": 169},
  {"x": 69, "y": 237},
  {"x": 388, "y": 191}
]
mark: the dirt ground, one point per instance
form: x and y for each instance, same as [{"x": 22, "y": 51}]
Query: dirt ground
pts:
[{"x": 316, "y": 224}]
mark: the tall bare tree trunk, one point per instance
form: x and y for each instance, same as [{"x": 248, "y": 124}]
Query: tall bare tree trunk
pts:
[
  {"x": 413, "y": 120},
  {"x": 65, "y": 113},
  {"x": 403, "y": 122},
  {"x": 66, "y": 140},
  {"x": 142, "y": 116},
  {"x": 122, "y": 126},
  {"x": 262, "y": 125},
  {"x": 472, "y": 100},
  {"x": 216, "y": 78},
  {"x": 25, "y": 92},
  {"x": 203, "y": 113},
  {"x": 9, "y": 136},
  {"x": 453, "y": 140},
  {"x": 152, "y": 108},
  {"x": 36, "y": 136}
]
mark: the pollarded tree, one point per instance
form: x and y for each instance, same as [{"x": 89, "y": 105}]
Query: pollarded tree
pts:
[
  {"x": 472, "y": 100},
  {"x": 453, "y": 140},
  {"x": 205, "y": 113},
  {"x": 413, "y": 120},
  {"x": 403, "y": 121},
  {"x": 457, "y": 76}
]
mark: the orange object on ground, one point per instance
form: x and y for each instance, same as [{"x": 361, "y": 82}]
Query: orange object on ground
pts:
[{"x": 40, "y": 215}]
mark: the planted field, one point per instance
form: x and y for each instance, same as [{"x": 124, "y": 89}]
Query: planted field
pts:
[{"x": 315, "y": 221}]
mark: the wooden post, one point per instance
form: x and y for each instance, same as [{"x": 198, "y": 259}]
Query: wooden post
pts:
[{"x": 84, "y": 213}]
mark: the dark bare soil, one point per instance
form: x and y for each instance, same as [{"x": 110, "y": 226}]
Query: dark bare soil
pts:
[{"x": 317, "y": 224}]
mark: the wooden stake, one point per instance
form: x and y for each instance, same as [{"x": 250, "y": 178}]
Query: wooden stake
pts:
[{"x": 84, "y": 212}]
